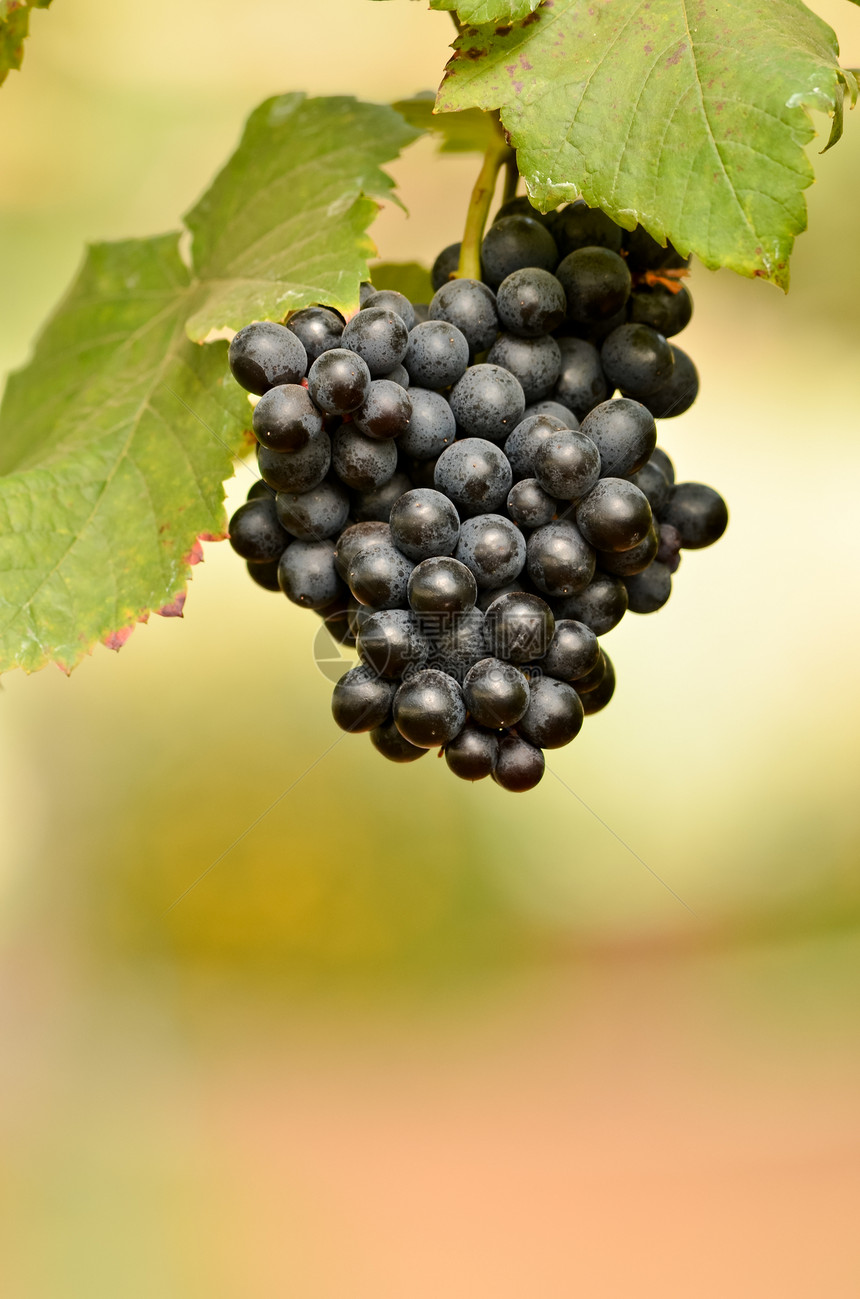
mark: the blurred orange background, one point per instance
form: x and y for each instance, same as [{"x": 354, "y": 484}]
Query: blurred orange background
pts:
[{"x": 409, "y": 1037}]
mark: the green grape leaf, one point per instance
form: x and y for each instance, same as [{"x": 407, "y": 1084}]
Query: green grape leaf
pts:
[
  {"x": 408, "y": 278},
  {"x": 467, "y": 132},
  {"x": 14, "y": 28},
  {"x": 687, "y": 117},
  {"x": 116, "y": 439},
  {"x": 283, "y": 225},
  {"x": 489, "y": 11}
]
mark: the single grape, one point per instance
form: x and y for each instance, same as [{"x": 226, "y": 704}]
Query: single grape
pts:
[
  {"x": 378, "y": 576},
  {"x": 429, "y": 709},
  {"x": 390, "y": 643},
  {"x": 515, "y": 242},
  {"x": 594, "y": 700},
  {"x": 475, "y": 474},
  {"x": 581, "y": 382},
  {"x": 285, "y": 418},
  {"x": 438, "y": 355},
  {"x": 662, "y": 461},
  {"x": 493, "y": 548},
  {"x": 336, "y": 622},
  {"x": 357, "y": 615},
  {"x": 376, "y": 504},
  {"x": 555, "y": 408},
  {"x": 491, "y": 593},
  {"x": 359, "y": 536},
  {"x": 265, "y": 574},
  {"x": 554, "y": 715},
  {"x": 636, "y": 359},
  {"x": 472, "y": 754},
  {"x": 659, "y": 307},
  {"x": 388, "y": 741},
  {"x": 520, "y": 206},
  {"x": 256, "y": 533},
  {"x": 470, "y": 305},
  {"x": 560, "y": 561},
  {"x": 596, "y": 282},
  {"x": 530, "y": 302},
  {"x": 307, "y": 574},
  {"x": 536, "y": 362},
  {"x": 519, "y": 766},
  {"x": 624, "y": 433},
  {"x": 567, "y": 464},
  {"x": 649, "y": 590},
  {"x": 312, "y": 516},
  {"x": 338, "y": 381},
  {"x": 698, "y": 512},
  {"x": 580, "y": 226},
  {"x": 386, "y": 411},
  {"x": 318, "y": 329},
  {"x": 360, "y": 700},
  {"x": 523, "y": 444},
  {"x": 573, "y": 650},
  {"x": 518, "y": 627},
  {"x": 488, "y": 402},
  {"x": 678, "y": 393},
  {"x": 432, "y": 426},
  {"x": 379, "y": 337},
  {"x": 651, "y": 480},
  {"x": 626, "y": 563},
  {"x": 529, "y": 505},
  {"x": 296, "y": 471},
  {"x": 264, "y": 354},
  {"x": 614, "y": 515},
  {"x": 361, "y": 462},
  {"x": 365, "y": 291},
  {"x": 424, "y": 523},
  {"x": 391, "y": 300},
  {"x": 442, "y": 585},
  {"x": 445, "y": 265},
  {"x": 601, "y": 606},
  {"x": 496, "y": 693}
]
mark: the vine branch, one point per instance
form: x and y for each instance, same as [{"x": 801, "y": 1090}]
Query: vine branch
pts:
[{"x": 497, "y": 155}]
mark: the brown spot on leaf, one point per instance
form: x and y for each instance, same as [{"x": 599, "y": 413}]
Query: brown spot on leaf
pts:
[
  {"x": 117, "y": 639},
  {"x": 174, "y": 609},
  {"x": 503, "y": 31},
  {"x": 532, "y": 18},
  {"x": 677, "y": 56}
]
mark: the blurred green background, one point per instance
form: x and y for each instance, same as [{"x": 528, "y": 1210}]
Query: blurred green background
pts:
[{"x": 410, "y": 1037}]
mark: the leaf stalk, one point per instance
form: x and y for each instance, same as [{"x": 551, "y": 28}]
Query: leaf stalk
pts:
[{"x": 497, "y": 155}]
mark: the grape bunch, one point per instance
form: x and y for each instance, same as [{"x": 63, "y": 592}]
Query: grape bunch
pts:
[{"x": 456, "y": 490}]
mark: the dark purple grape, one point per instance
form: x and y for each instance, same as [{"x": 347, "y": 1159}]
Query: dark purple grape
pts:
[
  {"x": 307, "y": 574},
  {"x": 471, "y": 306},
  {"x": 386, "y": 411},
  {"x": 256, "y": 533},
  {"x": 594, "y": 700},
  {"x": 626, "y": 563},
  {"x": 378, "y": 576},
  {"x": 338, "y": 381},
  {"x": 651, "y": 480},
  {"x": 515, "y": 242},
  {"x": 624, "y": 433},
  {"x": 432, "y": 426},
  {"x": 554, "y": 716},
  {"x": 265, "y": 574},
  {"x": 429, "y": 709},
  {"x": 530, "y": 302},
  {"x": 555, "y": 408},
  {"x": 649, "y": 590},
  {"x": 698, "y": 512},
  {"x": 264, "y": 354},
  {"x": 391, "y": 300},
  {"x": 567, "y": 464},
  {"x": 518, "y": 627},
  {"x": 580, "y": 226},
  {"x": 376, "y": 504},
  {"x": 488, "y": 402},
  {"x": 318, "y": 330},
  {"x": 645, "y": 254},
  {"x": 379, "y": 337},
  {"x": 523, "y": 444},
  {"x": 536, "y": 362},
  {"x": 390, "y": 642},
  {"x": 296, "y": 471},
  {"x": 424, "y": 523},
  {"x": 529, "y": 505},
  {"x": 496, "y": 693},
  {"x": 559, "y": 560},
  {"x": 601, "y": 606},
  {"x": 678, "y": 393},
  {"x": 285, "y": 418},
  {"x": 312, "y": 516},
  {"x": 388, "y": 741},
  {"x": 636, "y": 359},
  {"x": 359, "y": 536},
  {"x": 493, "y": 548},
  {"x": 442, "y": 585},
  {"x": 362, "y": 463},
  {"x": 519, "y": 766},
  {"x": 438, "y": 355},
  {"x": 360, "y": 700},
  {"x": 659, "y": 307},
  {"x": 614, "y": 515},
  {"x": 596, "y": 282},
  {"x": 573, "y": 650},
  {"x": 475, "y": 474},
  {"x": 472, "y": 754},
  {"x": 581, "y": 383},
  {"x": 445, "y": 265}
]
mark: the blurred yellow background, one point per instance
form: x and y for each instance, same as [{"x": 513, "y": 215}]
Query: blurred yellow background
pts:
[{"x": 410, "y": 1038}]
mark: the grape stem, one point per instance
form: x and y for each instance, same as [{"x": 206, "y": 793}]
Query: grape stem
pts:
[{"x": 499, "y": 154}]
